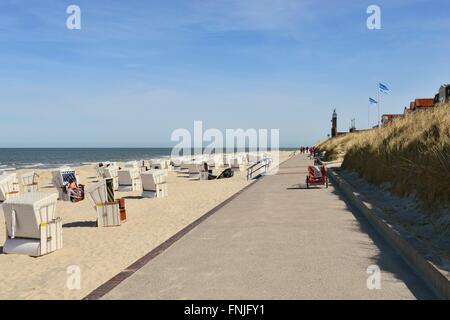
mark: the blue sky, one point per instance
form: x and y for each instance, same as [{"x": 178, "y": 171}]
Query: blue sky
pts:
[{"x": 137, "y": 70}]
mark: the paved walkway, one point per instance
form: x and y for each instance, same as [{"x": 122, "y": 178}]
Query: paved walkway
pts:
[{"x": 277, "y": 241}]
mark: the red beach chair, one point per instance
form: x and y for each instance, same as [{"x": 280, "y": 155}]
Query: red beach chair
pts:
[{"x": 317, "y": 175}]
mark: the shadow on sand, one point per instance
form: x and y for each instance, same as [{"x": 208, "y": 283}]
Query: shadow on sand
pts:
[
  {"x": 134, "y": 197},
  {"x": 81, "y": 224}
]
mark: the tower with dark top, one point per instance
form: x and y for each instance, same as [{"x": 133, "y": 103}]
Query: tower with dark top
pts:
[{"x": 334, "y": 124}]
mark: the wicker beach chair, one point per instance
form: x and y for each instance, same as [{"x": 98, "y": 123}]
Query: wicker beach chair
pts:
[
  {"x": 30, "y": 182},
  {"x": 154, "y": 184},
  {"x": 32, "y": 227},
  {"x": 110, "y": 212},
  {"x": 189, "y": 169},
  {"x": 129, "y": 179},
  {"x": 60, "y": 179},
  {"x": 112, "y": 173},
  {"x": 8, "y": 186}
]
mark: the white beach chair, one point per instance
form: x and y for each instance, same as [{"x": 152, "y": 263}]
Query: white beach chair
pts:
[
  {"x": 32, "y": 227},
  {"x": 16, "y": 186},
  {"x": 99, "y": 170},
  {"x": 112, "y": 172},
  {"x": 8, "y": 186},
  {"x": 156, "y": 165},
  {"x": 143, "y": 167},
  {"x": 147, "y": 164},
  {"x": 135, "y": 165},
  {"x": 175, "y": 164},
  {"x": 100, "y": 167},
  {"x": 101, "y": 197},
  {"x": 30, "y": 182},
  {"x": 165, "y": 164},
  {"x": 181, "y": 167},
  {"x": 154, "y": 183},
  {"x": 60, "y": 179},
  {"x": 188, "y": 169},
  {"x": 129, "y": 179},
  {"x": 131, "y": 164}
]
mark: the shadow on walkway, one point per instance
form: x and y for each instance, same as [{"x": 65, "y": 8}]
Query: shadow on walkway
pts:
[{"x": 412, "y": 280}]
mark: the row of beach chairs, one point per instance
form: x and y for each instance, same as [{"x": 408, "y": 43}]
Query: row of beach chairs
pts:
[
  {"x": 9, "y": 184},
  {"x": 32, "y": 225},
  {"x": 199, "y": 167},
  {"x": 135, "y": 177}
]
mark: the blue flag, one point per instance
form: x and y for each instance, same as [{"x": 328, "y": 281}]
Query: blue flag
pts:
[
  {"x": 383, "y": 88},
  {"x": 373, "y": 101}
]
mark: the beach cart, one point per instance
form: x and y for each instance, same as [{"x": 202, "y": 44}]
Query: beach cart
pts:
[{"x": 317, "y": 176}]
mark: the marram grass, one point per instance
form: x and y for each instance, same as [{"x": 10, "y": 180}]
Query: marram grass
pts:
[{"x": 411, "y": 154}]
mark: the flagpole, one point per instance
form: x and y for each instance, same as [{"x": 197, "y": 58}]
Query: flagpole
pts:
[
  {"x": 378, "y": 104},
  {"x": 368, "y": 116}
]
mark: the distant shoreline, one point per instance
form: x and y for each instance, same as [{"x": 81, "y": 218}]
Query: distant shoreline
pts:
[{"x": 45, "y": 158}]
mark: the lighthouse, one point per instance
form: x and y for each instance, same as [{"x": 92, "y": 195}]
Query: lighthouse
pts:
[{"x": 334, "y": 124}]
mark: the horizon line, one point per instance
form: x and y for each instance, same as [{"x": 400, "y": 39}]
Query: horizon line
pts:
[{"x": 118, "y": 147}]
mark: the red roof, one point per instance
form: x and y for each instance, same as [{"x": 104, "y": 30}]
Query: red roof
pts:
[{"x": 420, "y": 103}]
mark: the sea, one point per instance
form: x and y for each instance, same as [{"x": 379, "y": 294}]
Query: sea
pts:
[{"x": 42, "y": 158}]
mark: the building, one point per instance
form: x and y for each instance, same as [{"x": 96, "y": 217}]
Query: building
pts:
[
  {"x": 444, "y": 93},
  {"x": 406, "y": 111},
  {"x": 389, "y": 118},
  {"x": 334, "y": 131},
  {"x": 421, "y": 104},
  {"x": 334, "y": 124}
]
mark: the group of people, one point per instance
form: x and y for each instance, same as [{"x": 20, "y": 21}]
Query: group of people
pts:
[{"x": 309, "y": 150}]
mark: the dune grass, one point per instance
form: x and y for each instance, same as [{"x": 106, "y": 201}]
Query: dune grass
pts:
[{"x": 411, "y": 154}]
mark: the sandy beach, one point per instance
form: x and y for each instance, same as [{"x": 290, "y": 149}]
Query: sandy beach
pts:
[{"x": 101, "y": 253}]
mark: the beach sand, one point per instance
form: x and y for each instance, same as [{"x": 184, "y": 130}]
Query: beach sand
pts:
[{"x": 101, "y": 253}]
